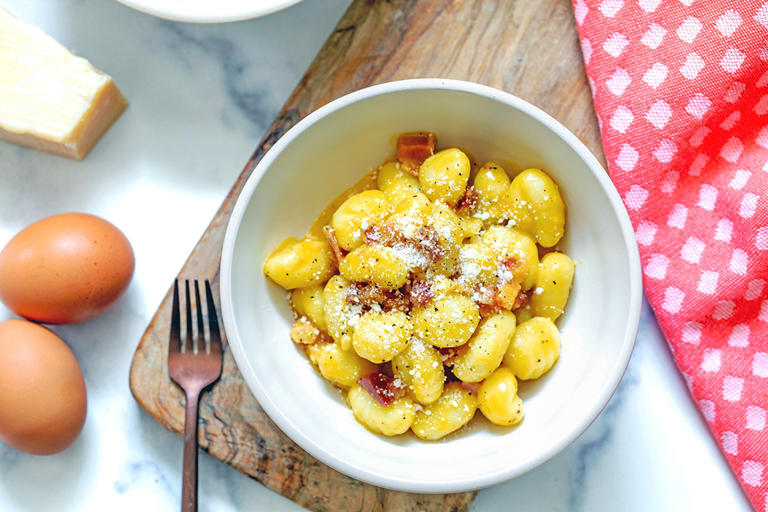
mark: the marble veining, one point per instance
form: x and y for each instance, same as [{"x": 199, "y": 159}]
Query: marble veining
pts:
[{"x": 201, "y": 97}]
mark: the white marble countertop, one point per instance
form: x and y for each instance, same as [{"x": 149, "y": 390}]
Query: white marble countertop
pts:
[{"x": 201, "y": 98}]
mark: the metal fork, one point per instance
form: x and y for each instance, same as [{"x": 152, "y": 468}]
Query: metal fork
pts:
[{"x": 193, "y": 368}]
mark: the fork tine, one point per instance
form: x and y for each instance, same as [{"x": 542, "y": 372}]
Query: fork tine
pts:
[
  {"x": 200, "y": 327},
  {"x": 189, "y": 343},
  {"x": 174, "y": 344},
  {"x": 213, "y": 320}
]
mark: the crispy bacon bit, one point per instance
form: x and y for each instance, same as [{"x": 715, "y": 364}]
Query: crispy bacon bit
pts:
[
  {"x": 472, "y": 387},
  {"x": 305, "y": 332},
  {"x": 382, "y": 388},
  {"x": 330, "y": 236},
  {"x": 413, "y": 148},
  {"x": 467, "y": 205},
  {"x": 421, "y": 293},
  {"x": 368, "y": 294},
  {"x": 506, "y": 295},
  {"x": 487, "y": 310},
  {"x": 398, "y": 300},
  {"x": 448, "y": 354},
  {"x": 428, "y": 242},
  {"x": 522, "y": 299},
  {"x": 373, "y": 234}
]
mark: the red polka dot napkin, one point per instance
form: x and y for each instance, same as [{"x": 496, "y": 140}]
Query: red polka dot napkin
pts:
[{"x": 681, "y": 92}]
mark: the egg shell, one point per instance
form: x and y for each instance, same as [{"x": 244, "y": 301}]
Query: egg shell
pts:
[
  {"x": 65, "y": 269},
  {"x": 42, "y": 392}
]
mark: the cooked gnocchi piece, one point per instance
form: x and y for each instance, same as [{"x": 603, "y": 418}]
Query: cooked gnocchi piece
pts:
[
  {"x": 396, "y": 182},
  {"x": 553, "y": 286},
  {"x": 444, "y": 176},
  {"x": 380, "y": 336},
  {"x": 491, "y": 183},
  {"x": 337, "y": 312},
  {"x": 342, "y": 367},
  {"x": 484, "y": 351},
  {"x": 498, "y": 400},
  {"x": 423, "y": 298},
  {"x": 391, "y": 420},
  {"x": 308, "y": 302},
  {"x": 512, "y": 242},
  {"x": 357, "y": 213},
  {"x": 299, "y": 263},
  {"x": 376, "y": 264},
  {"x": 446, "y": 321},
  {"x": 534, "y": 349},
  {"x": 447, "y": 414},
  {"x": 420, "y": 368},
  {"x": 535, "y": 205}
]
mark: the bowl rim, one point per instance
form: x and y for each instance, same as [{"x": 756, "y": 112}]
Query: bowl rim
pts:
[
  {"x": 209, "y": 15},
  {"x": 366, "y": 474}
]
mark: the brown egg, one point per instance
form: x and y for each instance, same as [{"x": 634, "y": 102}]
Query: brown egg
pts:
[
  {"x": 42, "y": 392},
  {"x": 64, "y": 269}
]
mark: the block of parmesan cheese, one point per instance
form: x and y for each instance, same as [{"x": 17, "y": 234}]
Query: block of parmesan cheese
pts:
[{"x": 51, "y": 99}]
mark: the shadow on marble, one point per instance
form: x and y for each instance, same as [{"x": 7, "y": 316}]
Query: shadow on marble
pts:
[{"x": 32, "y": 482}]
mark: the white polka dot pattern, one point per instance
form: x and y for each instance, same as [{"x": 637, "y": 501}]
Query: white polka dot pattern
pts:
[{"x": 681, "y": 93}]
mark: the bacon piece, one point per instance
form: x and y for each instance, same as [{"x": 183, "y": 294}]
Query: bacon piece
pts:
[
  {"x": 468, "y": 203},
  {"x": 428, "y": 243},
  {"x": 522, "y": 299},
  {"x": 413, "y": 148},
  {"x": 305, "y": 332},
  {"x": 421, "y": 293},
  {"x": 487, "y": 310},
  {"x": 330, "y": 236},
  {"x": 396, "y": 299},
  {"x": 373, "y": 234},
  {"x": 506, "y": 296},
  {"x": 382, "y": 388},
  {"x": 368, "y": 294}
]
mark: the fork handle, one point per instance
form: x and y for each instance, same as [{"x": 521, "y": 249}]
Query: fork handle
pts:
[{"x": 189, "y": 476}]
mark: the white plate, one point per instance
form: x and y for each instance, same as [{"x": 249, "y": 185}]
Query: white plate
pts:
[
  {"x": 207, "y": 11},
  {"x": 327, "y": 152}
]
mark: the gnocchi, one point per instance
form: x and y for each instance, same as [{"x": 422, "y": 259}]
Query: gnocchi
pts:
[
  {"x": 299, "y": 263},
  {"x": 491, "y": 183},
  {"x": 447, "y": 414},
  {"x": 342, "y": 367},
  {"x": 447, "y": 321},
  {"x": 498, "y": 400},
  {"x": 357, "y": 212},
  {"x": 377, "y": 264},
  {"x": 309, "y": 303},
  {"x": 553, "y": 285},
  {"x": 534, "y": 349},
  {"x": 391, "y": 420},
  {"x": 534, "y": 202},
  {"x": 485, "y": 349},
  {"x": 420, "y": 292},
  {"x": 396, "y": 182},
  {"x": 380, "y": 336},
  {"x": 444, "y": 176},
  {"x": 420, "y": 368}
]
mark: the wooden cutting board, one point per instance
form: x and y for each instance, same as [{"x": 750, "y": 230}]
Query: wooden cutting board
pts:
[{"x": 527, "y": 47}]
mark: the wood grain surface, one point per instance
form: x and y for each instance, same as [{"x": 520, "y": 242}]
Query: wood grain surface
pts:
[{"x": 526, "y": 47}]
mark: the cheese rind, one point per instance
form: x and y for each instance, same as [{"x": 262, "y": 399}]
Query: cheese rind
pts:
[{"x": 50, "y": 99}]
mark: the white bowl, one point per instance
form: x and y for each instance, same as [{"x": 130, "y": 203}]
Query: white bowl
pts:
[
  {"x": 330, "y": 150},
  {"x": 205, "y": 11}
]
